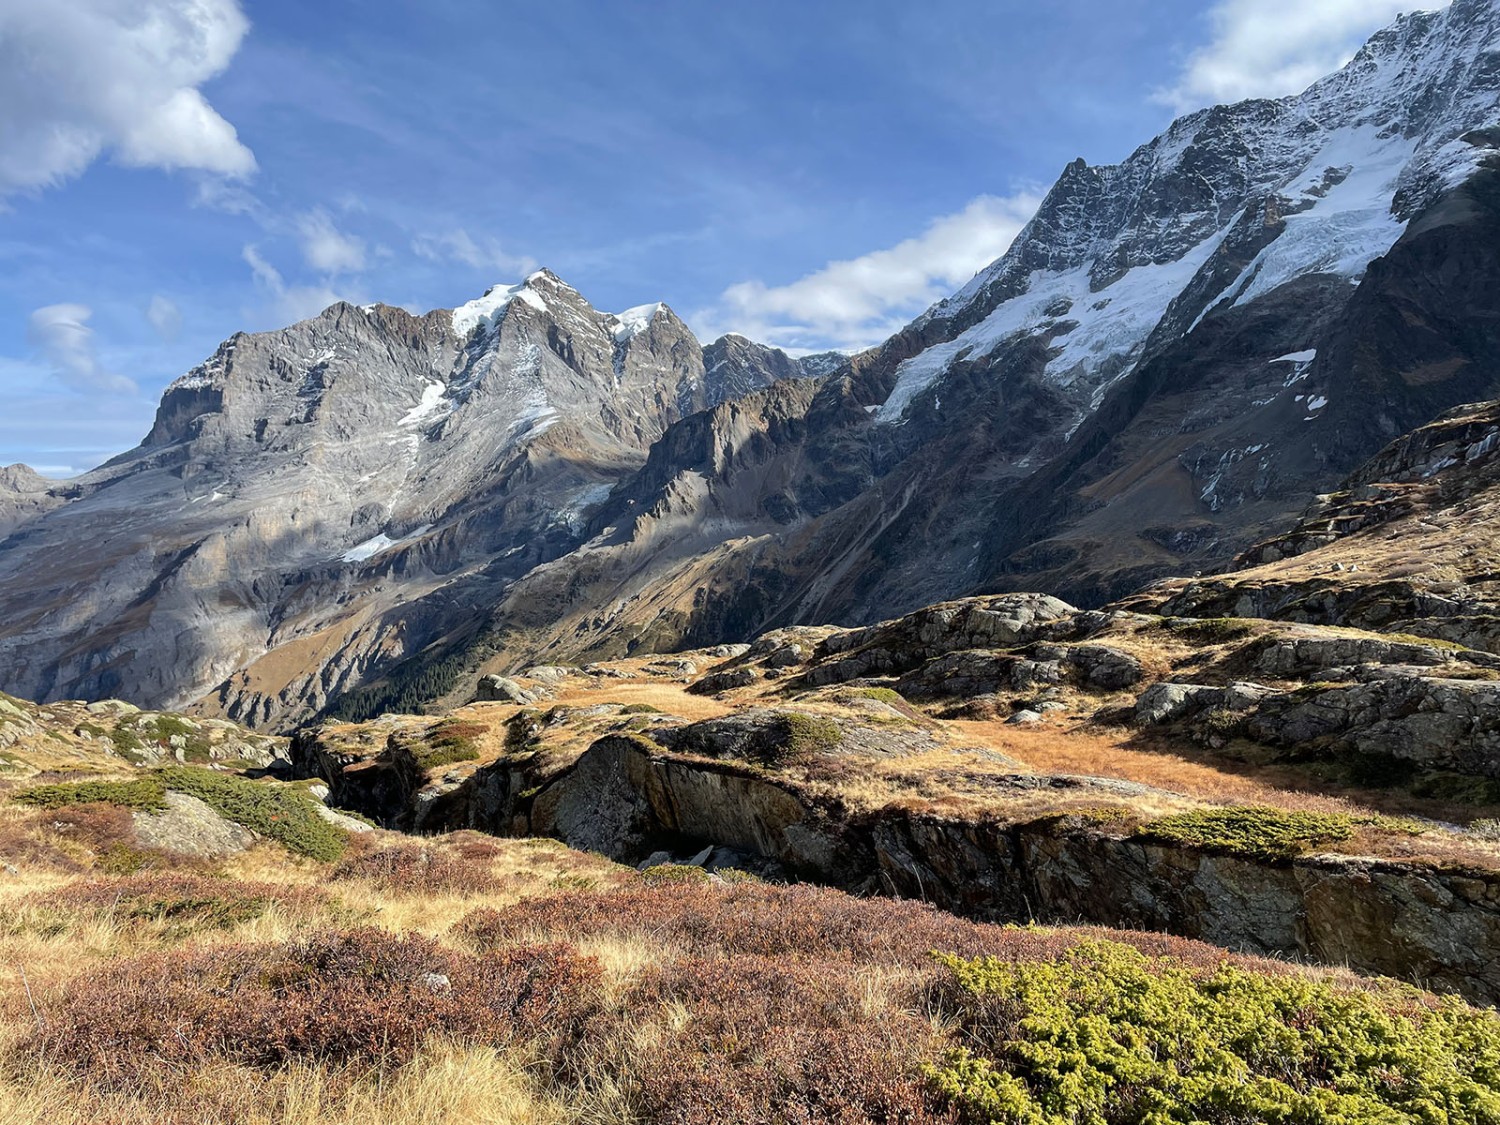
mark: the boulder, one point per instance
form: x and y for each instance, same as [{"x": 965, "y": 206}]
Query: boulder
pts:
[
  {"x": 342, "y": 820},
  {"x": 674, "y": 668},
  {"x": 499, "y": 689},
  {"x": 1291, "y": 658},
  {"x": 726, "y": 652},
  {"x": 550, "y": 673},
  {"x": 188, "y": 826},
  {"x": 1166, "y": 703},
  {"x": 715, "y": 682},
  {"x": 786, "y": 656},
  {"x": 1104, "y": 668},
  {"x": 1435, "y": 723}
]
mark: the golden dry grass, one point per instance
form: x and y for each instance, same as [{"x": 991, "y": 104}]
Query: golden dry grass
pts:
[
  {"x": 663, "y": 695},
  {"x": 42, "y": 949},
  {"x": 448, "y": 1084},
  {"x": 1068, "y": 746}
]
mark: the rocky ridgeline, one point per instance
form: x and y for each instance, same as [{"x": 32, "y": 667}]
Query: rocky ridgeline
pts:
[
  {"x": 1404, "y": 546},
  {"x": 33, "y": 735},
  {"x": 770, "y": 786}
]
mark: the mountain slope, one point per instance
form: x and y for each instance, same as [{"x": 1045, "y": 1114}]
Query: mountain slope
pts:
[
  {"x": 1178, "y": 353},
  {"x": 317, "y": 502}
]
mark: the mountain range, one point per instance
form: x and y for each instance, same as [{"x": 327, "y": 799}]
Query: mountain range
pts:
[{"x": 1178, "y": 355}]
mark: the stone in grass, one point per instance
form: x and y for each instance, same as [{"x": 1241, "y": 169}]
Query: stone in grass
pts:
[{"x": 188, "y": 826}]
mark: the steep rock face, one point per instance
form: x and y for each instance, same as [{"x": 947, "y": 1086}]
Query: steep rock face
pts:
[
  {"x": 1405, "y": 545},
  {"x": 314, "y": 504},
  {"x": 734, "y": 367},
  {"x": 628, "y": 797}
]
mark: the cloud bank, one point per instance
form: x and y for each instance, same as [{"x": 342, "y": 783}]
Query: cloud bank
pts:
[
  {"x": 1271, "y": 48},
  {"x": 85, "y": 77},
  {"x": 856, "y": 303}
]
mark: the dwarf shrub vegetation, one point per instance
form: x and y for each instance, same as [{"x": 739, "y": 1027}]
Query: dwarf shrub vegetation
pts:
[
  {"x": 1110, "y": 1036},
  {"x": 362, "y": 997},
  {"x": 281, "y": 813},
  {"x": 448, "y": 742},
  {"x": 182, "y": 904},
  {"x": 140, "y": 793},
  {"x": 1260, "y": 833},
  {"x": 463, "y": 866}
]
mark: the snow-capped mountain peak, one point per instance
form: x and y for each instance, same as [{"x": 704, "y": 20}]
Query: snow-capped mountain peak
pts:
[{"x": 1319, "y": 183}]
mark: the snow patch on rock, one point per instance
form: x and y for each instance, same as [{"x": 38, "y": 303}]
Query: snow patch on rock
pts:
[{"x": 487, "y": 311}]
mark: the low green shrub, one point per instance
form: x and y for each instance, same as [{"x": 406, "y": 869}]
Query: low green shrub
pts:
[
  {"x": 640, "y": 709},
  {"x": 138, "y": 793},
  {"x": 1212, "y": 630},
  {"x": 1109, "y": 1036},
  {"x": 450, "y": 741},
  {"x": 880, "y": 695},
  {"x": 673, "y": 873},
  {"x": 282, "y": 813},
  {"x": 808, "y": 734},
  {"x": 1249, "y": 830}
]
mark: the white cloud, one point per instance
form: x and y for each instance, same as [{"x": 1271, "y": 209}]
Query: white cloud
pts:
[
  {"x": 84, "y": 77},
  {"x": 61, "y": 333},
  {"x": 856, "y": 303},
  {"x": 486, "y": 253},
  {"x": 290, "y": 303},
  {"x": 328, "y": 249},
  {"x": 1271, "y": 48},
  {"x": 164, "y": 316}
]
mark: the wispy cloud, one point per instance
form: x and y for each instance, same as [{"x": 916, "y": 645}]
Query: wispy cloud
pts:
[
  {"x": 1271, "y": 48},
  {"x": 89, "y": 76},
  {"x": 856, "y": 303},
  {"x": 62, "y": 334},
  {"x": 328, "y": 249},
  {"x": 458, "y": 245},
  {"x": 164, "y": 316},
  {"x": 289, "y": 303}
]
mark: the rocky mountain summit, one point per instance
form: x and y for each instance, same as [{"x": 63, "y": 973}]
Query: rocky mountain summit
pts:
[
  {"x": 320, "y": 500},
  {"x": 1177, "y": 356}
]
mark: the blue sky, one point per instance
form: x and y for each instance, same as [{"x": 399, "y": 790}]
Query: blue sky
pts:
[{"x": 174, "y": 171}]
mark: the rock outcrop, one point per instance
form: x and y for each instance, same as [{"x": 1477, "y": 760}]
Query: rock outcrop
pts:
[{"x": 633, "y": 799}]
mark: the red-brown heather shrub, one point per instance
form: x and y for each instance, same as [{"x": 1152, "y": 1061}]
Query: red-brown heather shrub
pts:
[
  {"x": 108, "y": 831},
  {"x": 778, "y": 1043},
  {"x": 786, "y": 921},
  {"x": 413, "y": 868},
  {"x": 365, "y": 998},
  {"x": 22, "y": 843},
  {"x": 189, "y": 901}
]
